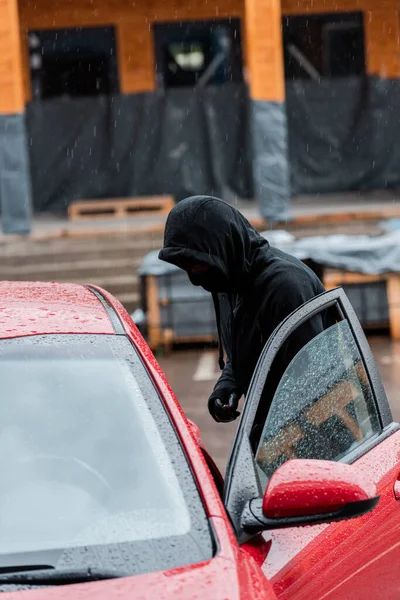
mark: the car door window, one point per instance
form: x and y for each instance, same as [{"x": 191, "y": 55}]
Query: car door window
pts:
[
  {"x": 323, "y": 407},
  {"x": 324, "y": 400}
]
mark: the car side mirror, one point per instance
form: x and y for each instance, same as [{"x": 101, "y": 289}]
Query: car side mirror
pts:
[{"x": 309, "y": 492}]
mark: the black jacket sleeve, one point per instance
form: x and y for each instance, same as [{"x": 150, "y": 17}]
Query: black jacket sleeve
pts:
[{"x": 226, "y": 383}]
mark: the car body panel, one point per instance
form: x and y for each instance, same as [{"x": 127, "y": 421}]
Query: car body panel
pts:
[
  {"x": 300, "y": 563},
  {"x": 304, "y": 562},
  {"x": 31, "y": 308},
  {"x": 350, "y": 559}
]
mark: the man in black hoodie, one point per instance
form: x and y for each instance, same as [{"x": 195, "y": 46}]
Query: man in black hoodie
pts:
[{"x": 254, "y": 288}]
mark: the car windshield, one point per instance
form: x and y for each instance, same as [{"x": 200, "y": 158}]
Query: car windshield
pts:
[{"x": 91, "y": 470}]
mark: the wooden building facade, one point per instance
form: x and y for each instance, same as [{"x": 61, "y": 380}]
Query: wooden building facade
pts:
[{"x": 133, "y": 24}]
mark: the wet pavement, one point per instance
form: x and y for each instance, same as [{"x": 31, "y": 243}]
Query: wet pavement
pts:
[{"x": 192, "y": 374}]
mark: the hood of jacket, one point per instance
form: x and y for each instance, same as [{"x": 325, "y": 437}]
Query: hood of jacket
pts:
[{"x": 207, "y": 230}]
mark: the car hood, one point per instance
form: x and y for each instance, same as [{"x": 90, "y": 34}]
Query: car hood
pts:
[
  {"x": 217, "y": 579},
  {"x": 232, "y": 574}
]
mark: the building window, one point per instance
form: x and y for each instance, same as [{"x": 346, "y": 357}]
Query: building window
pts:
[
  {"x": 320, "y": 46},
  {"x": 198, "y": 53},
  {"x": 73, "y": 62}
]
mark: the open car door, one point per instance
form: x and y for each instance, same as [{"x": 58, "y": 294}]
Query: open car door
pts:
[{"x": 329, "y": 404}]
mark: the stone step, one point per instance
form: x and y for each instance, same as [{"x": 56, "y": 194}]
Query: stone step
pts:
[
  {"x": 79, "y": 268},
  {"x": 101, "y": 246},
  {"x": 109, "y": 262},
  {"x": 67, "y": 257}
]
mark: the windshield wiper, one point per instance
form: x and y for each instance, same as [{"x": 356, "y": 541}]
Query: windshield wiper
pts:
[{"x": 51, "y": 576}]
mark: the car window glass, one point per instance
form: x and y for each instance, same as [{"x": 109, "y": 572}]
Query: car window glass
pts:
[
  {"x": 323, "y": 407},
  {"x": 91, "y": 467}
]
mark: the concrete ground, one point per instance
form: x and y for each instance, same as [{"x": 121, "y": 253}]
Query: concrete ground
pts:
[{"x": 192, "y": 374}]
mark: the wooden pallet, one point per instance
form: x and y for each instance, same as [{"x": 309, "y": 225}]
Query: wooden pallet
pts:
[
  {"x": 333, "y": 278},
  {"x": 120, "y": 208}
]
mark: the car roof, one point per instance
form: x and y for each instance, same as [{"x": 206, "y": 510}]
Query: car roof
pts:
[{"x": 32, "y": 308}]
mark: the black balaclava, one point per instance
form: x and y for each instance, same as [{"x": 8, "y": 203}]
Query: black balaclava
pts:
[{"x": 203, "y": 230}]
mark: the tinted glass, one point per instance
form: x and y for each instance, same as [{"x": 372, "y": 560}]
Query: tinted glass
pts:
[
  {"x": 323, "y": 407},
  {"x": 91, "y": 471}
]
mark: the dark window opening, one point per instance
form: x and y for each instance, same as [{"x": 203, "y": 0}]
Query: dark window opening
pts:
[
  {"x": 73, "y": 62},
  {"x": 320, "y": 46},
  {"x": 198, "y": 53}
]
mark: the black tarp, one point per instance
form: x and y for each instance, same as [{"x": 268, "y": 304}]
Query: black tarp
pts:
[
  {"x": 179, "y": 142},
  {"x": 15, "y": 190},
  {"x": 343, "y": 134}
]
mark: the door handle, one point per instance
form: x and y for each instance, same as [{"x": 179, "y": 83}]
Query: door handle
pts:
[{"x": 396, "y": 489}]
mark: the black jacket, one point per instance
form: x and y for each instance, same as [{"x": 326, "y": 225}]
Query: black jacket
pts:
[{"x": 266, "y": 285}]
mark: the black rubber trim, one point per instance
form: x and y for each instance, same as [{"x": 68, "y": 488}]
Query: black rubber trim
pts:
[
  {"x": 216, "y": 548},
  {"x": 110, "y": 310},
  {"x": 370, "y": 443},
  {"x": 253, "y": 520}
]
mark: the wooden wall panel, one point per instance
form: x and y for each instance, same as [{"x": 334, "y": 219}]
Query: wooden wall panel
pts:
[
  {"x": 137, "y": 70},
  {"x": 133, "y": 22},
  {"x": 136, "y": 57},
  {"x": 382, "y": 28},
  {"x": 261, "y": 34},
  {"x": 301, "y": 7},
  {"x": 382, "y": 31},
  {"x": 11, "y": 82},
  {"x": 26, "y": 75}
]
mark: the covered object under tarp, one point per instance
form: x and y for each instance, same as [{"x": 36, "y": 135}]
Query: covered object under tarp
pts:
[{"x": 188, "y": 311}]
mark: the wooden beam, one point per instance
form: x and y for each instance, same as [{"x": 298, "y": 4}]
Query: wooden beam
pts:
[
  {"x": 263, "y": 26},
  {"x": 393, "y": 291},
  {"x": 382, "y": 42},
  {"x": 136, "y": 62},
  {"x": 11, "y": 72},
  {"x": 153, "y": 312}
]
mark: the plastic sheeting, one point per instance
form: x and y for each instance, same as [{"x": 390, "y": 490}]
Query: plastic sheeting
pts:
[
  {"x": 360, "y": 253},
  {"x": 343, "y": 134},
  {"x": 15, "y": 191},
  {"x": 270, "y": 159},
  {"x": 181, "y": 142},
  {"x": 190, "y": 312}
]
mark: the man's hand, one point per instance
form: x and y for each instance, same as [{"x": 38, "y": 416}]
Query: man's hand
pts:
[{"x": 222, "y": 406}]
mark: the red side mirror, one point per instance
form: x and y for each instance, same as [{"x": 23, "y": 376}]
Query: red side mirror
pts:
[
  {"x": 305, "y": 487},
  {"x": 309, "y": 492}
]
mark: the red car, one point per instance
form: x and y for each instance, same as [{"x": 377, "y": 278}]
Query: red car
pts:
[{"x": 107, "y": 493}]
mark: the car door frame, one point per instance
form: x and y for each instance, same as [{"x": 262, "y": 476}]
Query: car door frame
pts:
[{"x": 242, "y": 481}]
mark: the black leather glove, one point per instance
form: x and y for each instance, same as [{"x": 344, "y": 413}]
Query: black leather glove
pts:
[{"x": 222, "y": 406}]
